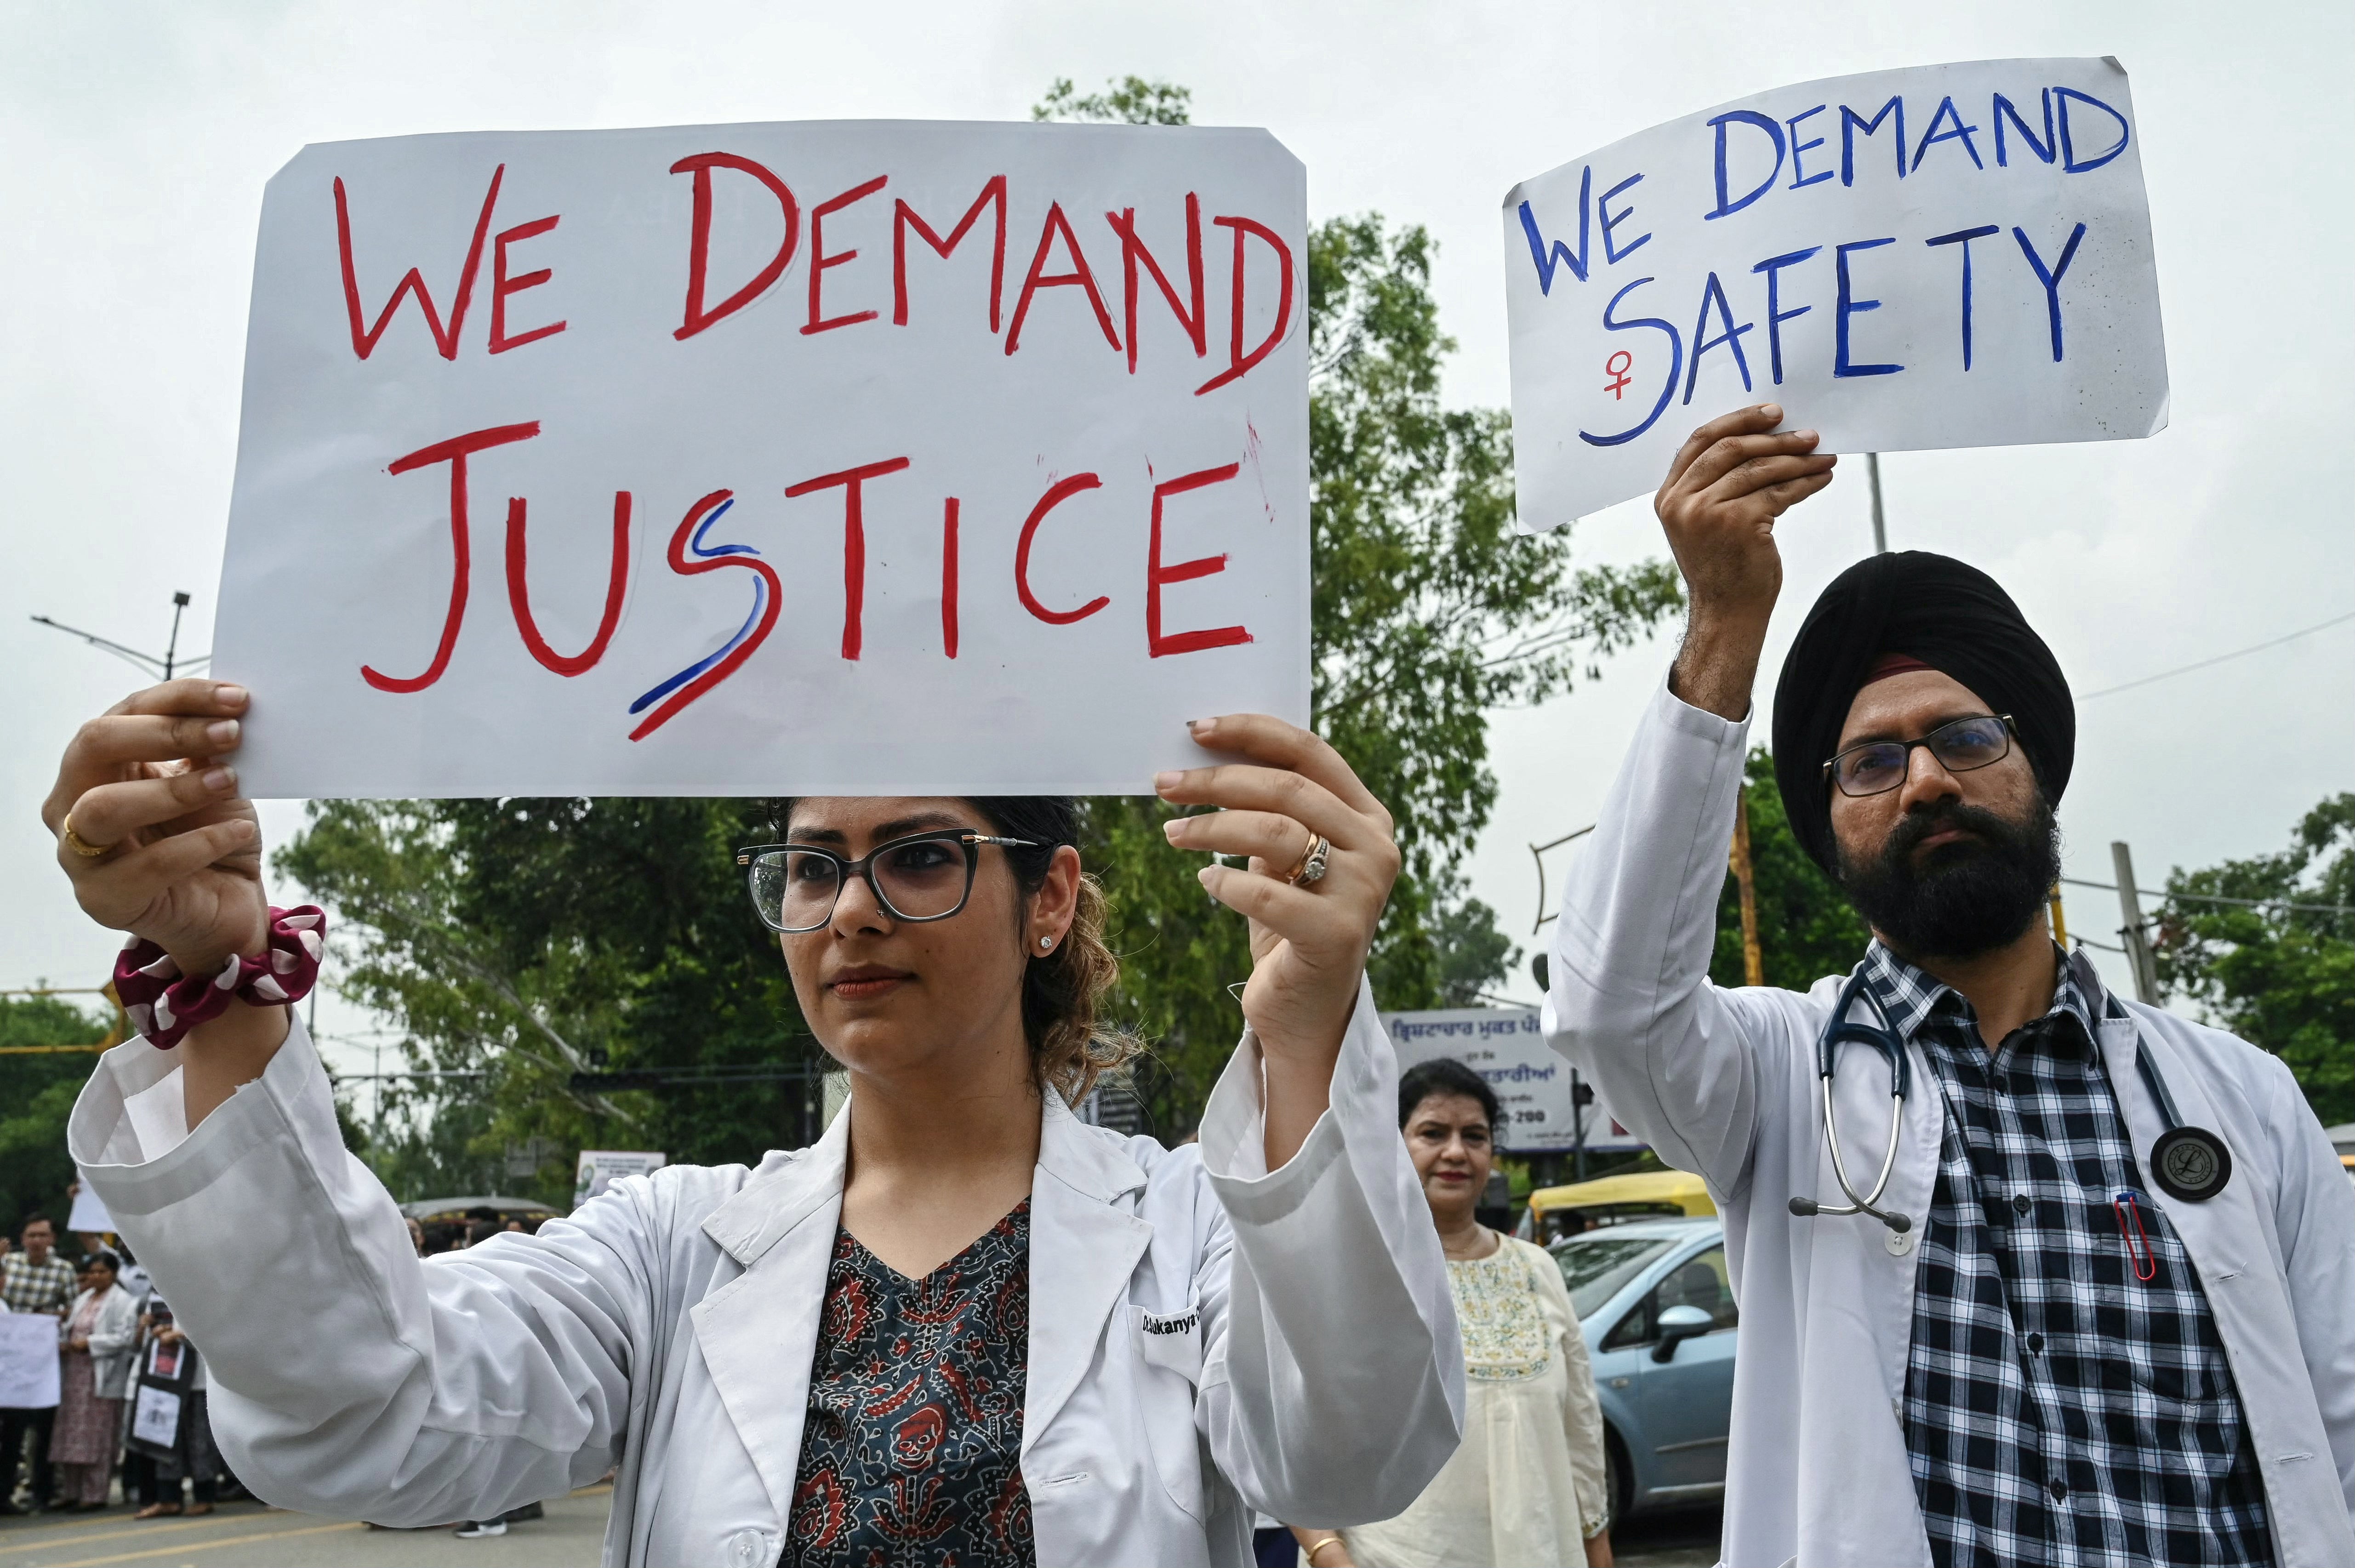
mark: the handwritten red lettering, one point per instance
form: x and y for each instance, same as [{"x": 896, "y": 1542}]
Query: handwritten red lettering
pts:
[
  {"x": 445, "y": 338},
  {"x": 1132, "y": 251},
  {"x": 1239, "y": 364},
  {"x": 699, "y": 254},
  {"x": 1061, "y": 491},
  {"x": 904, "y": 218},
  {"x": 503, "y": 285},
  {"x": 617, "y": 579},
  {"x": 1156, "y": 574},
  {"x": 820, "y": 260},
  {"x": 949, "y": 576},
  {"x": 853, "y": 539},
  {"x": 767, "y": 599},
  {"x": 453, "y": 451},
  {"x": 1039, "y": 278}
]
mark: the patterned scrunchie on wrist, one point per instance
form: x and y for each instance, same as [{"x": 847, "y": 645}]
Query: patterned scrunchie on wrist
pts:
[{"x": 164, "y": 1005}]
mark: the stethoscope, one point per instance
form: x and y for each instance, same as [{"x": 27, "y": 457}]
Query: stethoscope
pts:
[{"x": 2187, "y": 1163}]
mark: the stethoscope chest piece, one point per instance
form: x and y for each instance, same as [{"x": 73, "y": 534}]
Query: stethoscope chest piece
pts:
[{"x": 2190, "y": 1164}]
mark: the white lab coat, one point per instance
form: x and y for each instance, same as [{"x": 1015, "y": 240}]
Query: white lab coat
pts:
[
  {"x": 113, "y": 1333},
  {"x": 1301, "y": 1356},
  {"x": 1723, "y": 1083}
]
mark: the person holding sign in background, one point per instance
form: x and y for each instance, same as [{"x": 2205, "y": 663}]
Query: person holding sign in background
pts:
[
  {"x": 97, "y": 1340},
  {"x": 2087, "y": 1304},
  {"x": 1121, "y": 1349}
]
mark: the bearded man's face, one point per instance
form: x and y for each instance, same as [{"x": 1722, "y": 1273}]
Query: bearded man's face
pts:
[{"x": 1947, "y": 865}]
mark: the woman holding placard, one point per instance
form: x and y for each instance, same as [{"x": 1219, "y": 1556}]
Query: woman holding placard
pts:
[
  {"x": 96, "y": 1344},
  {"x": 961, "y": 1322}
]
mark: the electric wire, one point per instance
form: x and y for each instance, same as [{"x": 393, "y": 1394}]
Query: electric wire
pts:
[{"x": 2219, "y": 658}]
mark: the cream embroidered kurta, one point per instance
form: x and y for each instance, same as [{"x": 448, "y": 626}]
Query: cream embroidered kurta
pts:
[{"x": 1527, "y": 1485}]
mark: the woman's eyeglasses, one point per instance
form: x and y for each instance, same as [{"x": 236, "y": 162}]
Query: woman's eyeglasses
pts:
[
  {"x": 925, "y": 876},
  {"x": 1878, "y": 766}
]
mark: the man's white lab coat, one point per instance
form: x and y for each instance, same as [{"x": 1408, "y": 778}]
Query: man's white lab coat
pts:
[
  {"x": 1723, "y": 1083},
  {"x": 1205, "y": 1336}
]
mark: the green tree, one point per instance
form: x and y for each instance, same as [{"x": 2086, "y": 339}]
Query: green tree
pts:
[
  {"x": 528, "y": 940},
  {"x": 38, "y": 1089},
  {"x": 1131, "y": 100},
  {"x": 2278, "y": 971},
  {"x": 1807, "y": 928}
]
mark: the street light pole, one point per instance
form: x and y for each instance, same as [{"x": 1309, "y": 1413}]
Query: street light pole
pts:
[{"x": 1880, "y": 526}]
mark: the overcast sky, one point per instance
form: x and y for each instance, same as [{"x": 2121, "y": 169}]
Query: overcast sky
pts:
[{"x": 134, "y": 141}]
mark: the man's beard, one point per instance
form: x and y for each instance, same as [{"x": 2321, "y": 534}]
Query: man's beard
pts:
[{"x": 1967, "y": 897}]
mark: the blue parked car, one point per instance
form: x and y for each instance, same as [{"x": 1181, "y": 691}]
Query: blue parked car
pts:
[{"x": 1656, "y": 1305}]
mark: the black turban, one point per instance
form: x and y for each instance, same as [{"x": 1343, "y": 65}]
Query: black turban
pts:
[{"x": 1950, "y": 616}]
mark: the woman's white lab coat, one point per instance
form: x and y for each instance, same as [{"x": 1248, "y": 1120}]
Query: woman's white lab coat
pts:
[
  {"x": 1206, "y": 1338},
  {"x": 1723, "y": 1083},
  {"x": 114, "y": 1335}
]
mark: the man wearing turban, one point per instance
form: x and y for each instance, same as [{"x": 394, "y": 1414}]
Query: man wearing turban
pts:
[{"x": 2093, "y": 1301}]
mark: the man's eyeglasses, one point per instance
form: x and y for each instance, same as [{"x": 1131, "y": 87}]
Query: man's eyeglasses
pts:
[
  {"x": 1960, "y": 745},
  {"x": 925, "y": 876}
]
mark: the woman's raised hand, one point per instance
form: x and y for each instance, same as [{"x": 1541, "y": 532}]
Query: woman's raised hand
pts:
[
  {"x": 1309, "y": 940},
  {"x": 160, "y": 844}
]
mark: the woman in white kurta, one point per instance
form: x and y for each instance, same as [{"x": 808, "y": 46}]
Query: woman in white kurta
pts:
[
  {"x": 1528, "y": 1488},
  {"x": 1164, "y": 1341}
]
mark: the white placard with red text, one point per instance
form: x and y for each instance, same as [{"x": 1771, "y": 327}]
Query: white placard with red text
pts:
[{"x": 846, "y": 457}]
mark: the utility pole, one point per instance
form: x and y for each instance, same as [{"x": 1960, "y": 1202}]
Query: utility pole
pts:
[
  {"x": 2139, "y": 953},
  {"x": 1753, "y": 962},
  {"x": 1879, "y": 525},
  {"x": 2059, "y": 924}
]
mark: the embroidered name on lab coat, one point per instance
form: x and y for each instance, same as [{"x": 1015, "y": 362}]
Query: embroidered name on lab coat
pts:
[{"x": 1173, "y": 1340}]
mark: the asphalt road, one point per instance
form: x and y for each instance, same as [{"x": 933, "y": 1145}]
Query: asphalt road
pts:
[
  {"x": 1678, "y": 1537},
  {"x": 247, "y": 1535}
]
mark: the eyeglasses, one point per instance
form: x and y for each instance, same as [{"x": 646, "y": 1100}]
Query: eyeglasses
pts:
[
  {"x": 925, "y": 876},
  {"x": 1960, "y": 745}
]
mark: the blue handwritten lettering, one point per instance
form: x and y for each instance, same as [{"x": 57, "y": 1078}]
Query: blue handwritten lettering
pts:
[
  {"x": 2004, "y": 111},
  {"x": 1560, "y": 253},
  {"x": 1675, "y": 365},
  {"x": 1775, "y": 314},
  {"x": 1964, "y": 237},
  {"x": 2050, "y": 277},
  {"x": 2069, "y": 159},
  {"x": 1799, "y": 181},
  {"x": 1725, "y": 207},
  {"x": 1731, "y": 337},
  {"x": 1848, "y": 306},
  {"x": 1948, "y": 114},
  {"x": 1851, "y": 121},
  {"x": 1611, "y": 251}
]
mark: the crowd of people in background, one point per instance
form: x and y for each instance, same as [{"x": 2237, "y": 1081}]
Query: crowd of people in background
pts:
[{"x": 65, "y": 1456}]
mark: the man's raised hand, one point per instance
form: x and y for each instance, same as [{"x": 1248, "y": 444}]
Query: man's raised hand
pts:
[{"x": 1728, "y": 483}]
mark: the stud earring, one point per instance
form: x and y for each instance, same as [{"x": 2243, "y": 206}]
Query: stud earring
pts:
[{"x": 1044, "y": 943}]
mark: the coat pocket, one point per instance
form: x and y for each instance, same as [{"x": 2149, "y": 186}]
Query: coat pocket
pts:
[{"x": 1171, "y": 1343}]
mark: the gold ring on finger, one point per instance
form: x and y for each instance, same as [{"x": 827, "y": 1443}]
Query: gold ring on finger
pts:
[
  {"x": 79, "y": 845},
  {"x": 1310, "y": 870}
]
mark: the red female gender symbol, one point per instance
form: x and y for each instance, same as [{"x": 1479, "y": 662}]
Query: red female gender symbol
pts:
[{"x": 1617, "y": 367}]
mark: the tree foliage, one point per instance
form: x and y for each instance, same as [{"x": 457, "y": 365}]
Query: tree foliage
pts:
[
  {"x": 530, "y": 941},
  {"x": 1807, "y": 928},
  {"x": 36, "y": 1094},
  {"x": 1132, "y": 100},
  {"x": 2278, "y": 972}
]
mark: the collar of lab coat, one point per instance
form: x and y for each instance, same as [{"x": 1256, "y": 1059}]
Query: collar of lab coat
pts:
[{"x": 758, "y": 1332}]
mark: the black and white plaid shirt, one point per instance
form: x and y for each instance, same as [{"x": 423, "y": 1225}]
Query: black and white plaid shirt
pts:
[
  {"x": 28, "y": 1286},
  {"x": 2059, "y": 1408}
]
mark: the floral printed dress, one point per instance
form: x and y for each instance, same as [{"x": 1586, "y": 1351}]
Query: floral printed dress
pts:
[
  {"x": 1527, "y": 1485},
  {"x": 912, "y": 1448}
]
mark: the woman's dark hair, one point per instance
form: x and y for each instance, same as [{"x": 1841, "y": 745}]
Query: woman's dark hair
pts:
[
  {"x": 1062, "y": 991},
  {"x": 1443, "y": 1075},
  {"x": 101, "y": 1257}
]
